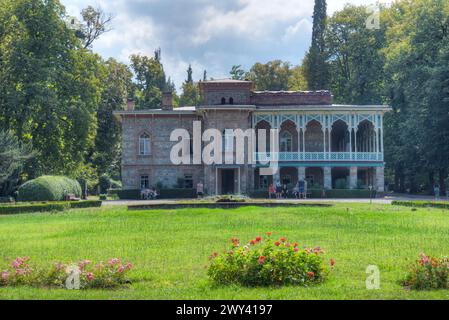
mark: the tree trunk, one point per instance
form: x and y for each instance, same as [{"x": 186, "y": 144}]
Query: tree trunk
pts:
[
  {"x": 442, "y": 175},
  {"x": 431, "y": 182}
]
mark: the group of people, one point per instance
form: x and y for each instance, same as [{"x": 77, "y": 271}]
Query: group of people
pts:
[
  {"x": 280, "y": 191},
  {"x": 149, "y": 194}
]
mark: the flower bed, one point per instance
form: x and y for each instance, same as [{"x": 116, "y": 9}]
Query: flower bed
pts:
[
  {"x": 265, "y": 262},
  {"x": 428, "y": 273},
  {"x": 20, "y": 271}
]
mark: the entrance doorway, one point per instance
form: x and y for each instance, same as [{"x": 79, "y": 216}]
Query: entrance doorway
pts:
[{"x": 227, "y": 181}]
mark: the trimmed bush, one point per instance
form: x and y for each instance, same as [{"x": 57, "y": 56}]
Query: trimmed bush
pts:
[
  {"x": 177, "y": 193},
  {"x": 106, "y": 183},
  {"x": 421, "y": 204},
  {"x": 130, "y": 194},
  {"x": 38, "y": 207},
  {"x": 347, "y": 193},
  {"x": 48, "y": 188},
  {"x": 47, "y": 207},
  {"x": 85, "y": 204},
  {"x": 6, "y": 199}
]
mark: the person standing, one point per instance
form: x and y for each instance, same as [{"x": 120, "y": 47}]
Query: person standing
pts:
[
  {"x": 436, "y": 191},
  {"x": 278, "y": 190},
  {"x": 271, "y": 191}
]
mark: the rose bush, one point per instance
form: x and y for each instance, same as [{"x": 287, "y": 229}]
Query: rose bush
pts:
[
  {"x": 111, "y": 274},
  {"x": 428, "y": 273},
  {"x": 264, "y": 262}
]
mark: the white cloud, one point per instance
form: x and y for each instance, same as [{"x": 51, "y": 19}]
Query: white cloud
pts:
[{"x": 209, "y": 34}]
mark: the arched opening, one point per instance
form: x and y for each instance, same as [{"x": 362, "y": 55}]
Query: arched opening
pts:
[
  {"x": 366, "y": 137},
  {"x": 263, "y": 125},
  {"x": 340, "y": 137},
  {"x": 314, "y": 178},
  {"x": 223, "y": 100},
  {"x": 288, "y": 137},
  {"x": 231, "y": 100},
  {"x": 314, "y": 137},
  {"x": 144, "y": 144}
]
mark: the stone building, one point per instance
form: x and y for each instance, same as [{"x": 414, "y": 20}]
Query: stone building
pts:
[{"x": 332, "y": 146}]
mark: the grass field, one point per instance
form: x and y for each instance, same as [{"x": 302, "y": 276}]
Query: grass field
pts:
[{"x": 170, "y": 248}]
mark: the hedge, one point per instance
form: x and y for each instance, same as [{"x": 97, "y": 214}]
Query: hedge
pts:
[
  {"x": 47, "y": 206},
  {"x": 317, "y": 193},
  {"x": 421, "y": 204},
  {"x": 48, "y": 188},
  {"x": 174, "y": 193}
]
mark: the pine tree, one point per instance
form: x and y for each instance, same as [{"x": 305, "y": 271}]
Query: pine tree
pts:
[{"x": 315, "y": 66}]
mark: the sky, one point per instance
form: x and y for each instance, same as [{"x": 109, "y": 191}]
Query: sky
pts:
[{"x": 210, "y": 35}]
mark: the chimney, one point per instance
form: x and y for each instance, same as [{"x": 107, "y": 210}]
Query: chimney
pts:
[
  {"x": 167, "y": 101},
  {"x": 130, "y": 106}
]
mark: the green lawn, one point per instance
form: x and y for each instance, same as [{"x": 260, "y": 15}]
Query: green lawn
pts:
[{"x": 170, "y": 248}]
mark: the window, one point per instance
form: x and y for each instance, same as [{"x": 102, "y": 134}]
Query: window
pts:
[
  {"x": 223, "y": 100},
  {"x": 144, "y": 182},
  {"x": 228, "y": 140},
  {"x": 231, "y": 100},
  {"x": 144, "y": 144},
  {"x": 286, "y": 142},
  {"x": 263, "y": 182},
  {"x": 188, "y": 181}
]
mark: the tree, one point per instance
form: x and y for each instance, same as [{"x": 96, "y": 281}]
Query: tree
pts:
[
  {"x": 273, "y": 75},
  {"x": 96, "y": 23},
  {"x": 297, "y": 80},
  {"x": 150, "y": 81},
  {"x": 315, "y": 66},
  {"x": 50, "y": 85},
  {"x": 13, "y": 156},
  {"x": 237, "y": 73},
  {"x": 118, "y": 86},
  {"x": 355, "y": 58},
  {"x": 190, "y": 91}
]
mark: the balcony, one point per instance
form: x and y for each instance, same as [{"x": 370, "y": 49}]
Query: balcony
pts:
[{"x": 318, "y": 156}]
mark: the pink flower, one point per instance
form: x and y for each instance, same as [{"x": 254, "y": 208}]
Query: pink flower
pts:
[
  {"x": 296, "y": 249},
  {"x": 114, "y": 261},
  {"x": 129, "y": 266},
  {"x": 262, "y": 260},
  {"x": 5, "y": 276},
  {"x": 90, "y": 276},
  {"x": 121, "y": 269}
]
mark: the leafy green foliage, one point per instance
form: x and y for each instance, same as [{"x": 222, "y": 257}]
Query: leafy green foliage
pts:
[
  {"x": 13, "y": 154},
  {"x": 267, "y": 262},
  {"x": 48, "y": 188},
  {"x": 422, "y": 204},
  {"x": 273, "y": 75},
  {"x": 47, "y": 206}
]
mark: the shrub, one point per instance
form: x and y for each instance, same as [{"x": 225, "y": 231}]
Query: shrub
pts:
[
  {"x": 48, "y": 188},
  {"x": 131, "y": 194},
  {"x": 267, "y": 262},
  {"x": 103, "y": 197},
  {"x": 341, "y": 184},
  {"x": 6, "y": 199},
  {"x": 36, "y": 207},
  {"x": 428, "y": 273},
  {"x": 85, "y": 204},
  {"x": 106, "y": 183},
  {"x": 108, "y": 275},
  {"x": 176, "y": 193},
  {"x": 422, "y": 204},
  {"x": 47, "y": 207}
]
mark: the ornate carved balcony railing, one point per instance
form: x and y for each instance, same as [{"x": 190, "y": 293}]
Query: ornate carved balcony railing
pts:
[{"x": 318, "y": 156}]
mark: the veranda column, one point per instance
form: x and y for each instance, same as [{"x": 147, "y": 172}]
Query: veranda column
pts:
[
  {"x": 327, "y": 171},
  {"x": 301, "y": 173},
  {"x": 380, "y": 179},
  {"x": 353, "y": 178}
]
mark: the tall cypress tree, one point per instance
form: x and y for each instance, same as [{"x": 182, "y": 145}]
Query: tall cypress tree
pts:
[{"x": 315, "y": 66}]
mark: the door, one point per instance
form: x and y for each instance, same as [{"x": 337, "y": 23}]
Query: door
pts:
[{"x": 228, "y": 181}]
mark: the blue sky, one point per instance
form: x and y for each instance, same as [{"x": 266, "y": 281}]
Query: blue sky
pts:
[{"x": 211, "y": 35}]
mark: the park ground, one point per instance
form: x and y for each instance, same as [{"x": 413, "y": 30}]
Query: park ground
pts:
[{"x": 170, "y": 248}]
